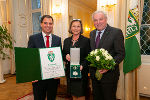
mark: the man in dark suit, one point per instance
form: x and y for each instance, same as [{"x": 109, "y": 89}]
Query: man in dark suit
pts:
[
  {"x": 112, "y": 40},
  {"x": 43, "y": 88}
]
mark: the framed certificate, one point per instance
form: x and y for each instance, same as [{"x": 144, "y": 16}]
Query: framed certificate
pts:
[
  {"x": 38, "y": 64},
  {"x": 51, "y": 62}
]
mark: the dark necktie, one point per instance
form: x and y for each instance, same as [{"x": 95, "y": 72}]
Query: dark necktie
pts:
[
  {"x": 47, "y": 41},
  {"x": 98, "y": 39}
]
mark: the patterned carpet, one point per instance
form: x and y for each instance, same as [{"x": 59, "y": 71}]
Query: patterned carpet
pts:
[
  {"x": 27, "y": 97},
  {"x": 30, "y": 97},
  {"x": 61, "y": 95}
]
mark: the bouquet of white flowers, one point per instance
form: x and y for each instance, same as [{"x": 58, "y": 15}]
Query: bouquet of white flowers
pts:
[{"x": 101, "y": 59}]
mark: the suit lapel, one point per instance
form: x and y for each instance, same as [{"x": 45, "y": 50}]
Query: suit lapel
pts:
[
  {"x": 105, "y": 34},
  {"x": 41, "y": 41},
  {"x": 93, "y": 39},
  {"x": 53, "y": 41}
]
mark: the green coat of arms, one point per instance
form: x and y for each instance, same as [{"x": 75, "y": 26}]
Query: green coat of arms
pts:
[{"x": 51, "y": 56}]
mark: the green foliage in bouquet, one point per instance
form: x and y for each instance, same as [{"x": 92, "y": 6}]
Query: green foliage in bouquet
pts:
[
  {"x": 5, "y": 42},
  {"x": 101, "y": 59}
]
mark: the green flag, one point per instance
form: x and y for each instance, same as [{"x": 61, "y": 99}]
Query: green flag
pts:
[{"x": 132, "y": 49}]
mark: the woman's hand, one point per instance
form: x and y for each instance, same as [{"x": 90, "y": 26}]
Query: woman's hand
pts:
[
  {"x": 81, "y": 67},
  {"x": 68, "y": 57}
]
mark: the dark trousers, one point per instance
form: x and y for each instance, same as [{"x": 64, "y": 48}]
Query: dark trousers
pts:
[
  {"x": 104, "y": 91},
  {"x": 44, "y": 88}
]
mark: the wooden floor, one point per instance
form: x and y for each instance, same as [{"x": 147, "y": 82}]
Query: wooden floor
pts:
[{"x": 11, "y": 91}]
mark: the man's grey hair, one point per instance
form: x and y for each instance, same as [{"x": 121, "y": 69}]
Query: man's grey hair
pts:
[{"x": 96, "y": 12}]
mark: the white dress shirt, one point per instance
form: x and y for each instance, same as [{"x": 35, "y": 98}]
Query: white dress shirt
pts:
[{"x": 50, "y": 38}]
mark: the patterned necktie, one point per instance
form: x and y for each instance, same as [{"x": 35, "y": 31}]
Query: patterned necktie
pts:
[
  {"x": 98, "y": 39},
  {"x": 47, "y": 41}
]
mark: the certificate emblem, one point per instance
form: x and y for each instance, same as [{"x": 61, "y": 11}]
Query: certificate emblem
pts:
[{"x": 51, "y": 56}]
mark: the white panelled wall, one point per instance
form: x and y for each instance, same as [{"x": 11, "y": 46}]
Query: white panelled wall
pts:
[
  {"x": 21, "y": 22},
  {"x": 61, "y": 21}
]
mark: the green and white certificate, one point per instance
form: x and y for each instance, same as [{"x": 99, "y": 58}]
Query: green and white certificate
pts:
[
  {"x": 51, "y": 63},
  {"x": 38, "y": 64}
]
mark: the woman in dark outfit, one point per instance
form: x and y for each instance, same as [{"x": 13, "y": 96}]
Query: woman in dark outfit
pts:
[{"x": 77, "y": 87}]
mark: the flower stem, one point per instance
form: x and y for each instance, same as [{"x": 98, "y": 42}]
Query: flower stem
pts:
[{"x": 98, "y": 75}]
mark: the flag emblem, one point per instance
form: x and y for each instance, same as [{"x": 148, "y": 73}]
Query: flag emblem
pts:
[{"x": 133, "y": 26}]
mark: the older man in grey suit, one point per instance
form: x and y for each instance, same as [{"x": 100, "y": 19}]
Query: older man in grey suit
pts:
[
  {"x": 112, "y": 40},
  {"x": 45, "y": 39}
]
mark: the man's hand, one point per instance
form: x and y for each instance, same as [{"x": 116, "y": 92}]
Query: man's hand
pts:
[
  {"x": 57, "y": 78},
  {"x": 103, "y": 71},
  {"x": 34, "y": 81}
]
